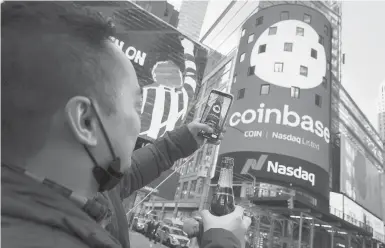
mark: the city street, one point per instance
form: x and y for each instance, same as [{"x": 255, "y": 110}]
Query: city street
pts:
[{"x": 138, "y": 240}]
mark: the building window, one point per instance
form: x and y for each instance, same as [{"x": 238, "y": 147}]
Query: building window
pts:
[
  {"x": 278, "y": 67},
  {"x": 300, "y": 31},
  {"x": 192, "y": 189},
  {"x": 241, "y": 94},
  {"x": 184, "y": 189},
  {"x": 307, "y": 18},
  {"x": 303, "y": 70},
  {"x": 318, "y": 100},
  {"x": 243, "y": 32},
  {"x": 200, "y": 186},
  {"x": 288, "y": 47},
  {"x": 272, "y": 30},
  {"x": 234, "y": 78},
  {"x": 313, "y": 53},
  {"x": 284, "y": 15},
  {"x": 259, "y": 21},
  {"x": 326, "y": 30},
  {"x": 324, "y": 82},
  {"x": 321, "y": 39},
  {"x": 251, "y": 71},
  {"x": 262, "y": 48},
  {"x": 251, "y": 38},
  {"x": 294, "y": 92},
  {"x": 242, "y": 57},
  {"x": 265, "y": 89}
]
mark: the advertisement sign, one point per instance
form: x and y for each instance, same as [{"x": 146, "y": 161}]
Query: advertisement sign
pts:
[
  {"x": 337, "y": 204},
  {"x": 360, "y": 180},
  {"x": 168, "y": 65},
  {"x": 376, "y": 224},
  {"x": 281, "y": 113},
  {"x": 353, "y": 213},
  {"x": 347, "y": 119}
]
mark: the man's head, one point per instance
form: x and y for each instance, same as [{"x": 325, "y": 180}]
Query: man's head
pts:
[{"x": 57, "y": 60}]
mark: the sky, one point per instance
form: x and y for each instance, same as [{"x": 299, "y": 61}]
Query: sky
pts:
[{"x": 363, "y": 42}]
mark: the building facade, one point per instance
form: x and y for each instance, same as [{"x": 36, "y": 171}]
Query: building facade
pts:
[
  {"x": 161, "y": 9},
  {"x": 381, "y": 111},
  {"x": 191, "y": 17}
]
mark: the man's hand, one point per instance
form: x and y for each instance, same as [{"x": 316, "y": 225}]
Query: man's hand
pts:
[
  {"x": 235, "y": 222},
  {"x": 195, "y": 127}
]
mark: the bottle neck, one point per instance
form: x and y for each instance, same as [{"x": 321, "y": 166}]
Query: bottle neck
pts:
[{"x": 226, "y": 177}]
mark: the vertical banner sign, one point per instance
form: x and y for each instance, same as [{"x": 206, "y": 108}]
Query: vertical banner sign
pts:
[{"x": 279, "y": 124}]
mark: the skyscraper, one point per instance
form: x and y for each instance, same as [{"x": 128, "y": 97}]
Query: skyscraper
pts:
[
  {"x": 191, "y": 17},
  {"x": 381, "y": 111}
]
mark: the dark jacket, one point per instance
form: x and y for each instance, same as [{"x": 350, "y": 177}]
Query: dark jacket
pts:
[{"x": 35, "y": 215}]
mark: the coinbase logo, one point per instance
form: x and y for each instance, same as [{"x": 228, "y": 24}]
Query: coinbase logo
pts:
[{"x": 288, "y": 54}]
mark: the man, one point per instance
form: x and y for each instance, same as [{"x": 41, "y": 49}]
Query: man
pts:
[{"x": 70, "y": 104}]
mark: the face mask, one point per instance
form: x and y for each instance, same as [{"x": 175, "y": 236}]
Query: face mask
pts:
[{"x": 110, "y": 177}]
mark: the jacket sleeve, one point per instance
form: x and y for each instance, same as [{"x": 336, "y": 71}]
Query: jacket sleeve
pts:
[
  {"x": 149, "y": 162},
  {"x": 219, "y": 238}
]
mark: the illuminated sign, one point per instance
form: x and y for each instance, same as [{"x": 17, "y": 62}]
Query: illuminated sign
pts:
[
  {"x": 360, "y": 180},
  {"x": 350, "y": 122},
  {"x": 278, "y": 128},
  {"x": 168, "y": 65}
]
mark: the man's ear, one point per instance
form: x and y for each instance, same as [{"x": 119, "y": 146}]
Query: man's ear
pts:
[{"x": 81, "y": 119}]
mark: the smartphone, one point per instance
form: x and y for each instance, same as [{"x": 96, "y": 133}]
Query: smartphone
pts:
[{"x": 215, "y": 113}]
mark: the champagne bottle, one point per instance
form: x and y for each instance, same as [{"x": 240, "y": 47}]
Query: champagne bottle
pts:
[{"x": 222, "y": 202}]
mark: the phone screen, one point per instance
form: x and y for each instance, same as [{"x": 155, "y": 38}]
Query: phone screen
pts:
[{"x": 215, "y": 112}]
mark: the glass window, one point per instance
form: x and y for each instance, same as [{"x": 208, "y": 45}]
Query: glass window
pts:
[
  {"x": 318, "y": 100},
  {"x": 326, "y": 30},
  {"x": 200, "y": 186},
  {"x": 234, "y": 78},
  {"x": 272, "y": 30},
  {"x": 278, "y": 67},
  {"x": 192, "y": 189},
  {"x": 294, "y": 92},
  {"x": 303, "y": 70},
  {"x": 242, "y": 57},
  {"x": 243, "y": 32},
  {"x": 307, "y": 18},
  {"x": 259, "y": 21},
  {"x": 262, "y": 48},
  {"x": 251, "y": 71},
  {"x": 251, "y": 38},
  {"x": 288, "y": 47},
  {"x": 321, "y": 39},
  {"x": 313, "y": 53},
  {"x": 265, "y": 89},
  {"x": 241, "y": 94},
  {"x": 184, "y": 189},
  {"x": 324, "y": 82},
  {"x": 284, "y": 15},
  {"x": 300, "y": 31}
]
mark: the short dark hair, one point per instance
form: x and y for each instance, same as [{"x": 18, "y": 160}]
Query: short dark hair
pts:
[{"x": 50, "y": 52}]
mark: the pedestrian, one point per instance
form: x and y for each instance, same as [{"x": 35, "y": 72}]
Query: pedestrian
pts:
[{"x": 155, "y": 231}]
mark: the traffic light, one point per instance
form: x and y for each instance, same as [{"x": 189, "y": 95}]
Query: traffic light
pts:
[{"x": 290, "y": 203}]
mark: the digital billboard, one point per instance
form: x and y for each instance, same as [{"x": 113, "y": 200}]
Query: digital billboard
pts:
[
  {"x": 279, "y": 124},
  {"x": 169, "y": 66},
  {"x": 360, "y": 180}
]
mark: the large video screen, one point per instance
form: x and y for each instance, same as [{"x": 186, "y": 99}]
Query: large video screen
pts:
[
  {"x": 279, "y": 124},
  {"x": 360, "y": 180},
  {"x": 169, "y": 66}
]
